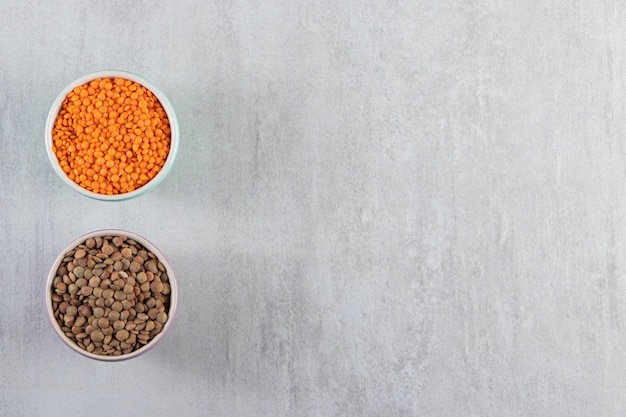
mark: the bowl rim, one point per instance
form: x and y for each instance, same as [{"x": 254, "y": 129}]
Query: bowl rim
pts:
[
  {"x": 167, "y": 106},
  {"x": 148, "y": 245}
]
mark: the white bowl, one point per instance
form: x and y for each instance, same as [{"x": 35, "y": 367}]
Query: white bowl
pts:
[
  {"x": 165, "y": 103},
  {"x": 146, "y": 244}
]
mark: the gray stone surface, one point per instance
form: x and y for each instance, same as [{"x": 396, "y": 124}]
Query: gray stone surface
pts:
[{"x": 379, "y": 208}]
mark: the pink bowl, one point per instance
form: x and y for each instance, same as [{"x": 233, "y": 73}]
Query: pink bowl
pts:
[{"x": 149, "y": 246}]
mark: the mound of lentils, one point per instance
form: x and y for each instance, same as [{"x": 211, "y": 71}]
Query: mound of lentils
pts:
[{"x": 111, "y": 295}]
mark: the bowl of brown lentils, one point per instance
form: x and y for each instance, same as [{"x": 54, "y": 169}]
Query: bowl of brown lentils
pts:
[{"x": 111, "y": 295}]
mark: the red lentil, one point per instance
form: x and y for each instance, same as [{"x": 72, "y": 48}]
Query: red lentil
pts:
[{"x": 111, "y": 136}]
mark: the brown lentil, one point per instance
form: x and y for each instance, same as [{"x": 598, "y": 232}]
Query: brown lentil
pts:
[{"x": 116, "y": 315}]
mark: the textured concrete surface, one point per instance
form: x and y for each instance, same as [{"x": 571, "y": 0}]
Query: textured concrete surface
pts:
[{"x": 379, "y": 208}]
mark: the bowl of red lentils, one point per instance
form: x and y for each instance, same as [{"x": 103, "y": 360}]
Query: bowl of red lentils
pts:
[
  {"x": 112, "y": 135},
  {"x": 111, "y": 295}
]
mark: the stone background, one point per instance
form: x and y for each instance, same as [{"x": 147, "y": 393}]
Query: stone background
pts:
[{"x": 379, "y": 208}]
